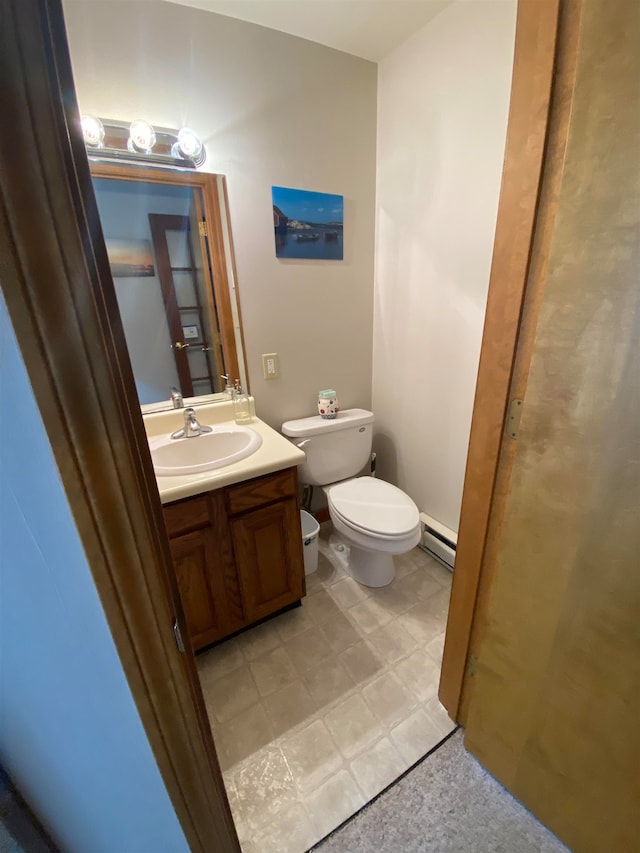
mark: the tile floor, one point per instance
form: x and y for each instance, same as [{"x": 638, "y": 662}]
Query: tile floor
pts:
[{"x": 319, "y": 709}]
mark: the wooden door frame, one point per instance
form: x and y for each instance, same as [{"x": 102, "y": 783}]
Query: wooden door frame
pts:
[
  {"x": 532, "y": 91},
  {"x": 61, "y": 299},
  {"x": 214, "y": 201}
]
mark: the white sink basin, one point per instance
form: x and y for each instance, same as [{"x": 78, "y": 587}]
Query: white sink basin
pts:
[{"x": 227, "y": 443}]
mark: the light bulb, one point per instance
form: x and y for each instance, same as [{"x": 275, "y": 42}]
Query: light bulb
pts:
[
  {"x": 189, "y": 143},
  {"x": 189, "y": 147},
  {"x": 142, "y": 137},
  {"x": 92, "y": 131}
]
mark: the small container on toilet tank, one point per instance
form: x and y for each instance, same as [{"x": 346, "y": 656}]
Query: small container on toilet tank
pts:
[{"x": 328, "y": 407}]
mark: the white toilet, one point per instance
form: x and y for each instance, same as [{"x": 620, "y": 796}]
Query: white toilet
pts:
[{"x": 376, "y": 519}]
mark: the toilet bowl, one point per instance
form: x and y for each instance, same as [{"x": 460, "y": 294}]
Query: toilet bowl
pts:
[{"x": 377, "y": 520}]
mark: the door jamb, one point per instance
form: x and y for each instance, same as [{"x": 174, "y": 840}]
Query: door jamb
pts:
[{"x": 553, "y": 173}]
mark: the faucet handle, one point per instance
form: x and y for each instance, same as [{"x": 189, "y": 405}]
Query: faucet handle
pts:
[
  {"x": 176, "y": 398},
  {"x": 192, "y": 426}
]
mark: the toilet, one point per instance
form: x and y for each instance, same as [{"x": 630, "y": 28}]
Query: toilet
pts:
[{"x": 376, "y": 519}]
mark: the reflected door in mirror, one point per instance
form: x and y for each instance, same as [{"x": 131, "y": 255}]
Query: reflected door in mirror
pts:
[{"x": 184, "y": 276}]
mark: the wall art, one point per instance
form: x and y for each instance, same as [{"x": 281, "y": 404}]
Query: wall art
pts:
[{"x": 308, "y": 225}]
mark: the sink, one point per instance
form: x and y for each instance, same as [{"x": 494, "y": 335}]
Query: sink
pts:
[{"x": 225, "y": 444}]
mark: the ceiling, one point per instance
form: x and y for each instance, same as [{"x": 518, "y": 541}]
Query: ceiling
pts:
[{"x": 369, "y": 29}]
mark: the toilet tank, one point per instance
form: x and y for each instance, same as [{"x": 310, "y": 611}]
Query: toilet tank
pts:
[{"x": 335, "y": 449}]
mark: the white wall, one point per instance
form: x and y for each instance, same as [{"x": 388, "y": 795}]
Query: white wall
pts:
[
  {"x": 70, "y": 734},
  {"x": 443, "y": 101},
  {"x": 273, "y": 110}
]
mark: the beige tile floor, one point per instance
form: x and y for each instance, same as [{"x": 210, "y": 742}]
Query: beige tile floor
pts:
[{"x": 316, "y": 711}]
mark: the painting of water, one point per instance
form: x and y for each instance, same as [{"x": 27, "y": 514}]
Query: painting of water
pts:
[
  {"x": 308, "y": 225},
  {"x": 130, "y": 258}
]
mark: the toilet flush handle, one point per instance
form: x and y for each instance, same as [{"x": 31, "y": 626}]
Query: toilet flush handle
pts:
[{"x": 302, "y": 444}]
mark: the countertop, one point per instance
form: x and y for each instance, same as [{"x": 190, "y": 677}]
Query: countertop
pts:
[{"x": 275, "y": 453}]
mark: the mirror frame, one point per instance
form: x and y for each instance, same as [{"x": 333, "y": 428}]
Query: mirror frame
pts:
[{"x": 221, "y": 255}]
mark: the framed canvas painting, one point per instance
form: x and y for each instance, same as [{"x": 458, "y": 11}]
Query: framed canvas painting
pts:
[{"x": 130, "y": 258}]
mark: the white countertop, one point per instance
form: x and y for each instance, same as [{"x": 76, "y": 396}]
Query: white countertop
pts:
[{"x": 275, "y": 453}]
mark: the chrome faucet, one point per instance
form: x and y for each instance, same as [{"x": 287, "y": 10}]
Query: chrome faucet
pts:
[
  {"x": 176, "y": 399},
  {"x": 192, "y": 427}
]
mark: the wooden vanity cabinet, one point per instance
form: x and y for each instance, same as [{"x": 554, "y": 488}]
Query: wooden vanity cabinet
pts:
[{"x": 237, "y": 553}]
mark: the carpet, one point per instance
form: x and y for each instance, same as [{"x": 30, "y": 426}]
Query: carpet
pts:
[{"x": 447, "y": 803}]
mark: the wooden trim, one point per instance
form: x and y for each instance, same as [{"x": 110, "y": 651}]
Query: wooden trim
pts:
[
  {"x": 534, "y": 59},
  {"x": 60, "y": 295},
  {"x": 234, "y": 273},
  {"x": 213, "y": 326},
  {"x": 217, "y": 256},
  {"x": 207, "y": 183},
  {"x": 150, "y": 174}
]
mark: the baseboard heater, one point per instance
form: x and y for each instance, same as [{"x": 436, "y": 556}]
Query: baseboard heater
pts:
[{"x": 438, "y": 540}]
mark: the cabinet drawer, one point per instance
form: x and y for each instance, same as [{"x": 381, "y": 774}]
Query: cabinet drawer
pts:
[
  {"x": 189, "y": 514},
  {"x": 262, "y": 490}
]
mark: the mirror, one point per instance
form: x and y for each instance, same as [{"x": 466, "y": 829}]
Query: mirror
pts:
[{"x": 169, "y": 243}]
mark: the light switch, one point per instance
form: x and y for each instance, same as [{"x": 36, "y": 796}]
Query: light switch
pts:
[{"x": 270, "y": 365}]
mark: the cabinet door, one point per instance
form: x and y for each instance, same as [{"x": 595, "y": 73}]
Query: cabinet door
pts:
[
  {"x": 269, "y": 560},
  {"x": 192, "y": 556}
]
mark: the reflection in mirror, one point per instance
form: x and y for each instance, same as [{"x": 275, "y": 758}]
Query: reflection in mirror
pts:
[{"x": 173, "y": 275}]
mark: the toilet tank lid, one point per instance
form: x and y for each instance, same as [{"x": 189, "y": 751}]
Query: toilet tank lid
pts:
[{"x": 315, "y": 425}]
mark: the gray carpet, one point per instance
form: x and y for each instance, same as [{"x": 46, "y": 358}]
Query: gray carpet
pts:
[{"x": 447, "y": 804}]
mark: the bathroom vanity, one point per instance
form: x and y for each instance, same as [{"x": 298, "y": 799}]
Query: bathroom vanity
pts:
[{"x": 234, "y": 532}]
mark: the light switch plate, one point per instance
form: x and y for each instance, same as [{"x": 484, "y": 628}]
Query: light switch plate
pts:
[{"x": 270, "y": 365}]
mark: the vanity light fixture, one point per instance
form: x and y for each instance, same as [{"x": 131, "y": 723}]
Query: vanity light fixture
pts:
[
  {"x": 92, "y": 131},
  {"x": 141, "y": 142}
]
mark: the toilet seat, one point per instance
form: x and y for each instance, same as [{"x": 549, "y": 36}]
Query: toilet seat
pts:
[{"x": 374, "y": 508}]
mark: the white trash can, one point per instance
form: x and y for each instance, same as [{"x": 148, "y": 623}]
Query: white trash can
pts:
[{"x": 310, "y": 532}]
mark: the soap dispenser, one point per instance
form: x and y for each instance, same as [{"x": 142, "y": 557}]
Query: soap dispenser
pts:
[
  {"x": 228, "y": 388},
  {"x": 241, "y": 405}
]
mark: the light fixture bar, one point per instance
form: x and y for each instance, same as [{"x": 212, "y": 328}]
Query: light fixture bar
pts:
[
  {"x": 107, "y": 155},
  {"x": 166, "y": 146}
]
